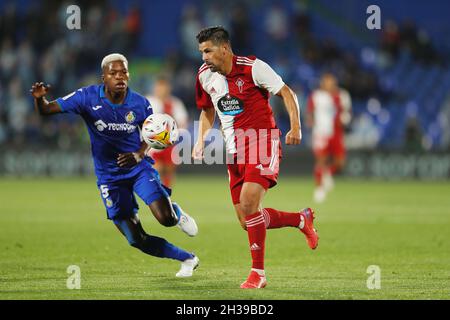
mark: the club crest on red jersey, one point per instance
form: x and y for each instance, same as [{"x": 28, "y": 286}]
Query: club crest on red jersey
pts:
[{"x": 240, "y": 84}]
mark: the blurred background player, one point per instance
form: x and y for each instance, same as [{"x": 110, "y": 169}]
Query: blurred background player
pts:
[
  {"x": 162, "y": 101},
  {"x": 112, "y": 113},
  {"x": 238, "y": 88},
  {"x": 328, "y": 112}
]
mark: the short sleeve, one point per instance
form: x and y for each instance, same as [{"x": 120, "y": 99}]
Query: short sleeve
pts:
[
  {"x": 73, "y": 102},
  {"x": 265, "y": 77},
  {"x": 202, "y": 98}
]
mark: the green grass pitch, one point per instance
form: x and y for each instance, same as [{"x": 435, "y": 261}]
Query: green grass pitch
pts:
[{"x": 402, "y": 227}]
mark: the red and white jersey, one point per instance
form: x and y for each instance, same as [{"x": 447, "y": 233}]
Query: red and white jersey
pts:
[
  {"x": 173, "y": 107},
  {"x": 241, "y": 99},
  {"x": 328, "y": 110}
]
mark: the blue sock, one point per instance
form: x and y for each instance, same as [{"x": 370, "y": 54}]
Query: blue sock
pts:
[
  {"x": 177, "y": 210},
  {"x": 161, "y": 248},
  {"x": 154, "y": 246}
]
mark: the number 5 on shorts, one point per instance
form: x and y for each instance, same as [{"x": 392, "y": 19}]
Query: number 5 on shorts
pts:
[{"x": 105, "y": 191}]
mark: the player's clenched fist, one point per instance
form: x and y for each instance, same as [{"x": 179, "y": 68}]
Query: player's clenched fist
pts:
[
  {"x": 129, "y": 160},
  {"x": 39, "y": 89},
  {"x": 294, "y": 137}
]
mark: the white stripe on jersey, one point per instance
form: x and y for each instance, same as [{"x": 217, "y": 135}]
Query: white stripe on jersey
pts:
[
  {"x": 245, "y": 59},
  {"x": 245, "y": 64},
  {"x": 203, "y": 68}
]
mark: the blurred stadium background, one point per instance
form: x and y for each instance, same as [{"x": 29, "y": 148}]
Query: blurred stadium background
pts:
[
  {"x": 398, "y": 77},
  {"x": 399, "y": 81}
]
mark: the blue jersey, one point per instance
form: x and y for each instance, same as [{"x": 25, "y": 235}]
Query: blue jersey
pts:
[{"x": 113, "y": 129}]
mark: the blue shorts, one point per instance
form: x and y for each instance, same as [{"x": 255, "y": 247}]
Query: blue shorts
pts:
[{"x": 119, "y": 199}]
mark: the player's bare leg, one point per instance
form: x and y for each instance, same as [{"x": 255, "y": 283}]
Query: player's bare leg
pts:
[
  {"x": 132, "y": 229},
  {"x": 320, "y": 170},
  {"x": 170, "y": 214},
  {"x": 163, "y": 212}
]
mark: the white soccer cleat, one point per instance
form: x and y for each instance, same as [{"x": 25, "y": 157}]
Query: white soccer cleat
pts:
[
  {"x": 186, "y": 223},
  {"x": 187, "y": 267},
  {"x": 320, "y": 194}
]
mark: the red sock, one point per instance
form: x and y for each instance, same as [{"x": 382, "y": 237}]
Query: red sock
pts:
[
  {"x": 279, "y": 219},
  {"x": 318, "y": 172},
  {"x": 256, "y": 230}
]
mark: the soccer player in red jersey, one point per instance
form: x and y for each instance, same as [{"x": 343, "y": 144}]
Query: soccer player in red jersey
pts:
[
  {"x": 162, "y": 101},
  {"x": 328, "y": 111},
  {"x": 237, "y": 89}
]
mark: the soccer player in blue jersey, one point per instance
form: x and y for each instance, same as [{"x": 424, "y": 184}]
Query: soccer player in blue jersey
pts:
[{"x": 114, "y": 114}]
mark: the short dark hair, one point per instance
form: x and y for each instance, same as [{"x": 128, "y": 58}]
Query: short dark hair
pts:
[{"x": 216, "y": 34}]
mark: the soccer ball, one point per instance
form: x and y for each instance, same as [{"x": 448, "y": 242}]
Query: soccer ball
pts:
[{"x": 160, "y": 131}]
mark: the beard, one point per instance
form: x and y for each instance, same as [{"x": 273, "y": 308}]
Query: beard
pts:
[{"x": 213, "y": 68}]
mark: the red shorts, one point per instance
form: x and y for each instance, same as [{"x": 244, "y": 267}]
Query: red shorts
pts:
[
  {"x": 261, "y": 167},
  {"x": 163, "y": 156},
  {"x": 329, "y": 146}
]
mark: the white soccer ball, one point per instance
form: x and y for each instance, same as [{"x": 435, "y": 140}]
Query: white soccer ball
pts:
[{"x": 160, "y": 131}]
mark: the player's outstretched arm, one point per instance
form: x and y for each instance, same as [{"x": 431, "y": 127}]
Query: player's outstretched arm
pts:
[
  {"x": 38, "y": 91},
  {"x": 206, "y": 122},
  {"x": 294, "y": 136}
]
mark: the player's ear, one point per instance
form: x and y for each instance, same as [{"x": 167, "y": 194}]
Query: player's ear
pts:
[
  {"x": 103, "y": 78},
  {"x": 223, "y": 48},
  {"x": 226, "y": 48}
]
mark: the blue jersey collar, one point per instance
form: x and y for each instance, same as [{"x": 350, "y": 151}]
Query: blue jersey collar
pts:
[{"x": 104, "y": 98}]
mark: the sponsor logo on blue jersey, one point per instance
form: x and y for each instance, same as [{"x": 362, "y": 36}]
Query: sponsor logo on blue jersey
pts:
[{"x": 101, "y": 125}]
